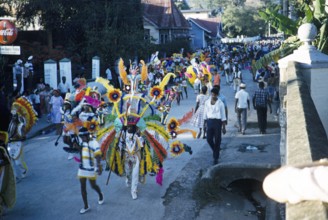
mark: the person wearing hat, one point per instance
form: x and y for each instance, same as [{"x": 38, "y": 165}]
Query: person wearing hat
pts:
[
  {"x": 67, "y": 119},
  {"x": 18, "y": 70},
  {"x": 90, "y": 167},
  {"x": 87, "y": 113},
  {"x": 37, "y": 102},
  {"x": 56, "y": 102},
  {"x": 241, "y": 106}
]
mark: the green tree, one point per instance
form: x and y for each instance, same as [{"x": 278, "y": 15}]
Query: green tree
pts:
[
  {"x": 182, "y": 5},
  {"x": 107, "y": 28},
  {"x": 242, "y": 21}
]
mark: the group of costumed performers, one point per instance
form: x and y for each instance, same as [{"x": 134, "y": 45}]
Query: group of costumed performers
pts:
[
  {"x": 199, "y": 72},
  {"x": 12, "y": 164},
  {"x": 132, "y": 140}
]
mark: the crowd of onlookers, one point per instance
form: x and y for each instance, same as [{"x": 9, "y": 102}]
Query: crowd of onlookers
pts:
[{"x": 228, "y": 61}]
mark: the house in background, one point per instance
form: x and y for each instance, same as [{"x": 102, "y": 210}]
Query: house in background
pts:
[
  {"x": 164, "y": 22},
  {"x": 196, "y": 13},
  {"x": 205, "y": 32}
]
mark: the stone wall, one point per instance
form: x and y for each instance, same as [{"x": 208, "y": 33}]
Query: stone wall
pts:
[{"x": 303, "y": 138}]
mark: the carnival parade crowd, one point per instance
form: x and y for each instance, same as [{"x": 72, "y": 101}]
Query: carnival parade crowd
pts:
[{"x": 124, "y": 118}]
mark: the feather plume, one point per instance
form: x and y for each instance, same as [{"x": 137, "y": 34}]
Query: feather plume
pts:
[
  {"x": 79, "y": 96},
  {"x": 74, "y": 127},
  {"x": 166, "y": 79},
  {"x": 123, "y": 74},
  {"x": 144, "y": 72},
  {"x": 87, "y": 92},
  {"x": 105, "y": 83},
  {"x": 159, "y": 129},
  {"x": 148, "y": 159},
  {"x": 194, "y": 133},
  {"x": 186, "y": 117},
  {"x": 158, "y": 148},
  {"x": 113, "y": 158},
  {"x": 159, "y": 176},
  {"x": 104, "y": 131},
  {"x": 106, "y": 143}
]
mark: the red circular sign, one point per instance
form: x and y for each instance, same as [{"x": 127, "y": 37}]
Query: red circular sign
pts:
[{"x": 8, "y": 32}]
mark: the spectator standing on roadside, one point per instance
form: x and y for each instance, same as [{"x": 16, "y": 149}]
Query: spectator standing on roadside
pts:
[
  {"x": 261, "y": 100},
  {"x": 63, "y": 87},
  {"x": 28, "y": 74},
  {"x": 40, "y": 87},
  {"x": 241, "y": 106},
  {"x": 18, "y": 70},
  {"x": 56, "y": 102}
]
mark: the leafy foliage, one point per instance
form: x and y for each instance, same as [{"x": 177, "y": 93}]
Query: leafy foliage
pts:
[
  {"x": 313, "y": 12},
  {"x": 242, "y": 21},
  {"x": 279, "y": 21}
]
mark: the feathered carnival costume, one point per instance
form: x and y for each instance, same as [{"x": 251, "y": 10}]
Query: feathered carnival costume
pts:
[{"x": 132, "y": 108}]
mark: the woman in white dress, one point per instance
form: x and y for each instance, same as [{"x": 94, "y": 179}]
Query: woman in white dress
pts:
[
  {"x": 56, "y": 102},
  {"x": 197, "y": 119}
]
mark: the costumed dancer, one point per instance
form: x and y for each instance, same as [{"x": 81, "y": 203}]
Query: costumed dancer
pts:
[
  {"x": 68, "y": 134},
  {"x": 7, "y": 176},
  {"x": 23, "y": 118},
  {"x": 90, "y": 167},
  {"x": 130, "y": 143}
]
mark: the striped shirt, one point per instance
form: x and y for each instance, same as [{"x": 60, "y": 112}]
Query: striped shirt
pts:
[{"x": 89, "y": 152}]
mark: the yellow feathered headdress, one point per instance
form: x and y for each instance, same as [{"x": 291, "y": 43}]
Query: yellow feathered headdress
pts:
[{"x": 24, "y": 108}]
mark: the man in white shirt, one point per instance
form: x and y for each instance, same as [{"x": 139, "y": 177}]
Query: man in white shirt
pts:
[
  {"x": 241, "y": 106},
  {"x": 63, "y": 87},
  {"x": 215, "y": 115}
]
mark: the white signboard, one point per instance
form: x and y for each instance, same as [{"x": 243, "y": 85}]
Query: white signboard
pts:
[
  {"x": 95, "y": 67},
  {"x": 10, "y": 50},
  {"x": 50, "y": 73}
]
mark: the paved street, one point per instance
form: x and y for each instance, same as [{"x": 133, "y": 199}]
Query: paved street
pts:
[{"x": 51, "y": 189}]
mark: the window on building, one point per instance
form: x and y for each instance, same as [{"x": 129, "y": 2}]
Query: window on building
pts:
[{"x": 164, "y": 38}]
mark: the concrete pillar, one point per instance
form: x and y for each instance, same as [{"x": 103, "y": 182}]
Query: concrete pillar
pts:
[
  {"x": 314, "y": 64},
  {"x": 65, "y": 69},
  {"x": 95, "y": 67},
  {"x": 50, "y": 73}
]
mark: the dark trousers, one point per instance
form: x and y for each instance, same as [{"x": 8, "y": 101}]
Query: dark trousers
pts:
[
  {"x": 19, "y": 82},
  {"x": 262, "y": 118},
  {"x": 214, "y": 136}
]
